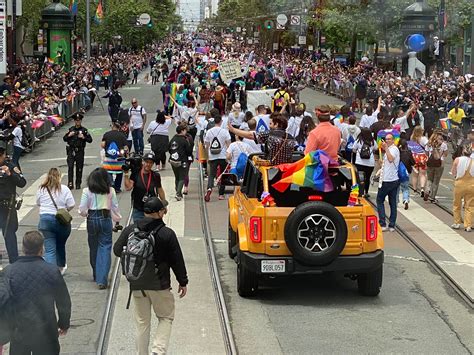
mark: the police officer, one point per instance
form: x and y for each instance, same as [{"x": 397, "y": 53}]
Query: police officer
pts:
[
  {"x": 76, "y": 139},
  {"x": 10, "y": 178}
]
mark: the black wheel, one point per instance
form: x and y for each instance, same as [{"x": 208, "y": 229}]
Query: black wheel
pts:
[
  {"x": 369, "y": 284},
  {"x": 231, "y": 242},
  {"x": 315, "y": 233},
  {"x": 247, "y": 281}
]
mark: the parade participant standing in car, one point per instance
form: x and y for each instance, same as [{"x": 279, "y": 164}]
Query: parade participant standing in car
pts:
[
  {"x": 39, "y": 290},
  {"x": 144, "y": 184},
  {"x": 325, "y": 136},
  {"x": 10, "y": 178},
  {"x": 389, "y": 183},
  {"x": 137, "y": 115},
  {"x": 153, "y": 288},
  {"x": 76, "y": 139}
]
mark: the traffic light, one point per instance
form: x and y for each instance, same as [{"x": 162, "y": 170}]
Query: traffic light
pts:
[
  {"x": 150, "y": 25},
  {"x": 268, "y": 24}
]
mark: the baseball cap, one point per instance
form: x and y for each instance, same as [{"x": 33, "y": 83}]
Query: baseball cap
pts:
[
  {"x": 154, "y": 204},
  {"x": 149, "y": 156}
]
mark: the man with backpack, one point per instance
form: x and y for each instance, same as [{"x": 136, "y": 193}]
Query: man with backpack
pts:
[
  {"x": 137, "y": 115},
  {"x": 154, "y": 247},
  {"x": 216, "y": 141}
]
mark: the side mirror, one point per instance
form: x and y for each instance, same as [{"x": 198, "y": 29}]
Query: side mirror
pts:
[{"x": 228, "y": 179}]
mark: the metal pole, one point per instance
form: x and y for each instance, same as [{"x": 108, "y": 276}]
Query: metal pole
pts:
[
  {"x": 88, "y": 28},
  {"x": 14, "y": 34}
]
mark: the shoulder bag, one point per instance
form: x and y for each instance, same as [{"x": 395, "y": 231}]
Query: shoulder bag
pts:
[{"x": 62, "y": 215}]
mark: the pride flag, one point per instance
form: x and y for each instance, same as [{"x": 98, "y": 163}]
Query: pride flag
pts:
[
  {"x": 73, "y": 7},
  {"x": 310, "y": 171},
  {"x": 37, "y": 124},
  {"x": 55, "y": 119},
  {"x": 383, "y": 133},
  {"x": 99, "y": 13},
  {"x": 445, "y": 123}
]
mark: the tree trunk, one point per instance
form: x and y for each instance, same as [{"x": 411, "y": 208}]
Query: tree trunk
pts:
[
  {"x": 353, "y": 48},
  {"x": 23, "y": 39},
  {"x": 376, "y": 53}
]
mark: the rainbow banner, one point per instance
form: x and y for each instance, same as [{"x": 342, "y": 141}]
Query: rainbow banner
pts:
[
  {"x": 37, "y": 124},
  {"x": 73, "y": 7},
  {"x": 56, "y": 120},
  {"x": 383, "y": 133},
  {"x": 310, "y": 171},
  {"x": 99, "y": 13},
  {"x": 445, "y": 123}
]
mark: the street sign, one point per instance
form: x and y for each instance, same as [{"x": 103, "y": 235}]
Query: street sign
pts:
[
  {"x": 295, "y": 20},
  {"x": 256, "y": 34},
  {"x": 275, "y": 46},
  {"x": 282, "y": 19},
  {"x": 280, "y": 27},
  {"x": 302, "y": 40},
  {"x": 144, "y": 19},
  {"x": 249, "y": 41},
  {"x": 310, "y": 47},
  {"x": 238, "y": 29}
]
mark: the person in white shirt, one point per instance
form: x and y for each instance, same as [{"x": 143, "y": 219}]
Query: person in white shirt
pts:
[
  {"x": 216, "y": 141},
  {"x": 234, "y": 150},
  {"x": 253, "y": 146},
  {"x": 350, "y": 133},
  {"x": 18, "y": 148},
  {"x": 159, "y": 139},
  {"x": 262, "y": 119},
  {"x": 389, "y": 183},
  {"x": 50, "y": 197},
  {"x": 137, "y": 116},
  {"x": 294, "y": 122},
  {"x": 187, "y": 113},
  {"x": 370, "y": 116},
  {"x": 236, "y": 118},
  {"x": 364, "y": 148}
]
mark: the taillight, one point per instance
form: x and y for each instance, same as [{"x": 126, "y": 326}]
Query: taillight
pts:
[
  {"x": 371, "y": 228},
  {"x": 256, "y": 229},
  {"x": 315, "y": 198}
]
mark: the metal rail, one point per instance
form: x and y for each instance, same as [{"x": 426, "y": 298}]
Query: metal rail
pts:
[
  {"x": 434, "y": 264},
  {"x": 215, "y": 278},
  {"x": 110, "y": 305}
]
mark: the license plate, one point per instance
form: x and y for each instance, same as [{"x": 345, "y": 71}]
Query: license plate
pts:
[{"x": 273, "y": 266}]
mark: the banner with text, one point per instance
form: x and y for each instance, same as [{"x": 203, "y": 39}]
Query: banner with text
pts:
[
  {"x": 230, "y": 69},
  {"x": 259, "y": 97}
]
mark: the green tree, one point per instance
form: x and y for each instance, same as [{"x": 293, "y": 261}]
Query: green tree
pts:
[{"x": 30, "y": 20}]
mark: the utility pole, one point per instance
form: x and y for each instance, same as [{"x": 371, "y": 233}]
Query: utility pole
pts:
[
  {"x": 14, "y": 33},
  {"x": 88, "y": 29}
]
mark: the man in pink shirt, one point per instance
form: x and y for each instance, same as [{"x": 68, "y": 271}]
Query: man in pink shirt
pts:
[{"x": 325, "y": 136}]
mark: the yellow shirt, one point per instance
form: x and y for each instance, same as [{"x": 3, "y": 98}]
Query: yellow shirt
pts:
[{"x": 456, "y": 117}]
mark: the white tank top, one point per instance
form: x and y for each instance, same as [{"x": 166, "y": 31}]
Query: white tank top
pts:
[{"x": 463, "y": 163}]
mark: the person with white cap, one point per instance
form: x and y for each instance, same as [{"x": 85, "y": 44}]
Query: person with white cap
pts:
[{"x": 236, "y": 118}]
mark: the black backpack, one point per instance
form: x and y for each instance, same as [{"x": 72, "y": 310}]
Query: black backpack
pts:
[
  {"x": 215, "y": 146},
  {"x": 365, "y": 151},
  {"x": 175, "y": 159}
]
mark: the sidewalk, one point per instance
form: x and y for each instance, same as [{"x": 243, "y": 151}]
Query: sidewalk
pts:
[{"x": 196, "y": 329}]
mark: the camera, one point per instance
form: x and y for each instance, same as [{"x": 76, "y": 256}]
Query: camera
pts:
[{"x": 133, "y": 163}]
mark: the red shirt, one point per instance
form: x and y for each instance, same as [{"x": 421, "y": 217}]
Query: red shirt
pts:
[{"x": 324, "y": 137}]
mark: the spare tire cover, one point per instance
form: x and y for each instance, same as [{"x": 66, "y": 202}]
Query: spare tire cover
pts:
[{"x": 316, "y": 233}]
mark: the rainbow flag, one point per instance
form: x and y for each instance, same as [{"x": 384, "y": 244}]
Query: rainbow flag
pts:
[
  {"x": 37, "y": 124},
  {"x": 310, "y": 171},
  {"x": 383, "y": 133},
  {"x": 99, "y": 13},
  {"x": 55, "y": 119},
  {"x": 339, "y": 117},
  {"x": 445, "y": 123},
  {"x": 73, "y": 7}
]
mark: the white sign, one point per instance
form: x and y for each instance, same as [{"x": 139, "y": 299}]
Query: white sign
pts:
[
  {"x": 310, "y": 47},
  {"x": 280, "y": 27},
  {"x": 249, "y": 41},
  {"x": 19, "y": 8},
  {"x": 238, "y": 29},
  {"x": 275, "y": 46},
  {"x": 230, "y": 69},
  {"x": 144, "y": 19},
  {"x": 3, "y": 37},
  {"x": 282, "y": 19},
  {"x": 302, "y": 40},
  {"x": 259, "y": 97},
  {"x": 295, "y": 20},
  {"x": 256, "y": 34}
]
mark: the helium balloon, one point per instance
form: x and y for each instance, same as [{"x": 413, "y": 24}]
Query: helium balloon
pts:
[{"x": 416, "y": 42}]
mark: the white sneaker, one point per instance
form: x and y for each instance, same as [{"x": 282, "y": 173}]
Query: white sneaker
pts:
[
  {"x": 468, "y": 229},
  {"x": 63, "y": 269},
  {"x": 391, "y": 229},
  {"x": 385, "y": 229},
  {"x": 455, "y": 226}
]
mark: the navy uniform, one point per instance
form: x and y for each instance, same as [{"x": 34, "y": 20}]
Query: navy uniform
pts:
[
  {"x": 10, "y": 178},
  {"x": 76, "y": 139}
]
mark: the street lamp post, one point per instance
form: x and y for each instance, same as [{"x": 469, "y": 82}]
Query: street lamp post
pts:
[{"x": 88, "y": 29}]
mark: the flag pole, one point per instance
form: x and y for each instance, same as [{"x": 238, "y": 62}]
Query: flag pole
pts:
[{"x": 88, "y": 29}]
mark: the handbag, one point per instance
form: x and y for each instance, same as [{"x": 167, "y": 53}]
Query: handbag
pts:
[
  {"x": 149, "y": 137},
  {"x": 434, "y": 162},
  {"x": 62, "y": 215}
]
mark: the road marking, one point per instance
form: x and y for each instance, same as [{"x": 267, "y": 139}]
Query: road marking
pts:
[
  {"x": 58, "y": 159},
  {"x": 29, "y": 198},
  {"x": 448, "y": 239}
]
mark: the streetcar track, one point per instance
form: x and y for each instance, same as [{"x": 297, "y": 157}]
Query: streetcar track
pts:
[
  {"x": 226, "y": 329},
  {"x": 110, "y": 305},
  {"x": 433, "y": 263}
]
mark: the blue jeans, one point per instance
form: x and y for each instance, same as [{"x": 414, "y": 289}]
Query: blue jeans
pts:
[
  {"x": 404, "y": 187},
  {"x": 389, "y": 189},
  {"x": 138, "y": 145},
  {"x": 16, "y": 155},
  {"x": 137, "y": 215},
  {"x": 55, "y": 236},
  {"x": 99, "y": 234}
]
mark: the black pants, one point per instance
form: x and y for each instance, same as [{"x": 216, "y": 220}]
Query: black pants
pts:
[
  {"x": 9, "y": 226},
  {"x": 179, "y": 176},
  {"x": 159, "y": 146},
  {"x": 27, "y": 346},
  {"x": 367, "y": 170},
  {"x": 213, "y": 164},
  {"x": 75, "y": 157}
]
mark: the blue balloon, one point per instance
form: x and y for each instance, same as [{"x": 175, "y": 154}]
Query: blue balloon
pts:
[{"x": 416, "y": 42}]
